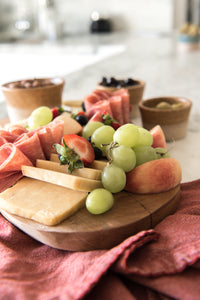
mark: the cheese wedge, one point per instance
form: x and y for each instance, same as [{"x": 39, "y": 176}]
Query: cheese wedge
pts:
[
  {"x": 67, "y": 180},
  {"x": 41, "y": 201},
  {"x": 55, "y": 166},
  {"x": 97, "y": 164}
]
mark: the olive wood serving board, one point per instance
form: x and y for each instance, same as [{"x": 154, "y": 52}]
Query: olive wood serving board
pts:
[{"x": 83, "y": 231}]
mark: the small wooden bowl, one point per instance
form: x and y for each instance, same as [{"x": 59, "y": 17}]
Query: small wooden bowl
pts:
[
  {"x": 135, "y": 92},
  {"x": 173, "y": 121},
  {"x": 22, "y": 101}
]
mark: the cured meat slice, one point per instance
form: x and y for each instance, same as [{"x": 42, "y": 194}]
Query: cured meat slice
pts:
[
  {"x": 102, "y": 95},
  {"x": 2, "y": 141},
  {"x": 29, "y": 144},
  {"x": 10, "y": 137},
  {"x": 102, "y": 106},
  {"x": 11, "y": 160},
  {"x": 117, "y": 109},
  {"x": 17, "y": 130},
  {"x": 46, "y": 141},
  {"x": 9, "y": 180},
  {"x": 57, "y": 130},
  {"x": 90, "y": 100},
  {"x": 109, "y": 103},
  {"x": 125, "y": 103}
]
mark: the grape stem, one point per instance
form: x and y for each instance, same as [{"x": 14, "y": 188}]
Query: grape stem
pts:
[{"x": 109, "y": 149}]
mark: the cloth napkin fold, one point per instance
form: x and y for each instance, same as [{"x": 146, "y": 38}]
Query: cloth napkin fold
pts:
[{"x": 161, "y": 263}]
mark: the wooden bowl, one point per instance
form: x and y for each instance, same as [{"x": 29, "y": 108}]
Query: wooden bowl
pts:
[
  {"x": 21, "y": 100},
  {"x": 135, "y": 92},
  {"x": 173, "y": 121}
]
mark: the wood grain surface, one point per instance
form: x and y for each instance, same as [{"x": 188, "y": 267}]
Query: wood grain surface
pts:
[{"x": 83, "y": 231}]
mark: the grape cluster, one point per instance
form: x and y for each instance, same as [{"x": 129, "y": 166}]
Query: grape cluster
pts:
[
  {"x": 118, "y": 83},
  {"x": 125, "y": 148}
]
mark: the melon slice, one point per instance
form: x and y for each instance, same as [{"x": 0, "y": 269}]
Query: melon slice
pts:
[
  {"x": 158, "y": 137},
  {"x": 70, "y": 125}
]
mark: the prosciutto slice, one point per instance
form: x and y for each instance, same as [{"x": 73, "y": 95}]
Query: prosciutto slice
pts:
[
  {"x": 102, "y": 95},
  {"x": 57, "y": 130},
  {"x": 90, "y": 100},
  {"x": 10, "y": 137},
  {"x": 123, "y": 93},
  {"x": 102, "y": 106},
  {"x": 17, "y": 130},
  {"x": 11, "y": 160},
  {"x": 117, "y": 108},
  {"x": 116, "y": 104},
  {"x": 46, "y": 141},
  {"x": 29, "y": 144},
  {"x": 2, "y": 141}
]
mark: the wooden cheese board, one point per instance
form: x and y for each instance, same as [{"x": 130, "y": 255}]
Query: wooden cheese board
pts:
[{"x": 83, "y": 231}]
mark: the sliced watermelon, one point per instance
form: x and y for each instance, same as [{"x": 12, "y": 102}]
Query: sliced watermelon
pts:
[
  {"x": 158, "y": 137},
  {"x": 117, "y": 108},
  {"x": 97, "y": 117}
]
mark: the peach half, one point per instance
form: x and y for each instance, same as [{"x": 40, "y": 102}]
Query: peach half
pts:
[{"x": 155, "y": 176}]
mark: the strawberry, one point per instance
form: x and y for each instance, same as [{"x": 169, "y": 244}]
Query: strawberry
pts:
[
  {"x": 75, "y": 151},
  {"x": 115, "y": 125},
  {"x": 82, "y": 113},
  {"x": 107, "y": 120},
  {"x": 56, "y": 111}
]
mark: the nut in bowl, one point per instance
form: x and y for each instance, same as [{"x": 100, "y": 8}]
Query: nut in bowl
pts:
[
  {"x": 23, "y": 96},
  {"x": 135, "y": 88},
  {"x": 171, "y": 113}
]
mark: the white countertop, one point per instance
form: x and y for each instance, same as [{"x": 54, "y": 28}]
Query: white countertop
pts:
[{"x": 156, "y": 60}]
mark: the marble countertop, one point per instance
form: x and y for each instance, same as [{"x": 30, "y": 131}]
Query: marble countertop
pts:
[{"x": 166, "y": 71}]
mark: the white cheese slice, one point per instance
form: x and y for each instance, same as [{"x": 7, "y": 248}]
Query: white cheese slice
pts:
[
  {"x": 97, "y": 164},
  {"x": 67, "y": 180},
  {"x": 55, "y": 166},
  {"x": 41, "y": 201}
]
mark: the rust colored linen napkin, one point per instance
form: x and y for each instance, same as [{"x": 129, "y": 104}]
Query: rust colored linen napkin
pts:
[{"x": 155, "y": 264}]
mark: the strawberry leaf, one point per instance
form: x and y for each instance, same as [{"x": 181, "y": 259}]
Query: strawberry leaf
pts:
[
  {"x": 60, "y": 149},
  {"x": 68, "y": 156}
]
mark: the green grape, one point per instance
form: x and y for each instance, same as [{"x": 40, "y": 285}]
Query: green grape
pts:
[
  {"x": 145, "y": 137},
  {"x": 162, "y": 152},
  {"x": 99, "y": 201},
  {"x": 123, "y": 157},
  {"x": 41, "y": 116},
  {"x": 144, "y": 154},
  {"x": 127, "y": 135},
  {"x": 89, "y": 128},
  {"x": 102, "y": 135},
  {"x": 113, "y": 178}
]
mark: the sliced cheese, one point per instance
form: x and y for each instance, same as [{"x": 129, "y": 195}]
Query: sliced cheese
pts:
[
  {"x": 41, "y": 201},
  {"x": 55, "y": 166},
  {"x": 97, "y": 164},
  {"x": 67, "y": 180}
]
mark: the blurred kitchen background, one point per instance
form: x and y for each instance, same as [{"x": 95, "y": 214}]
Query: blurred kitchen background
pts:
[
  {"x": 66, "y": 38},
  {"x": 37, "y": 20}
]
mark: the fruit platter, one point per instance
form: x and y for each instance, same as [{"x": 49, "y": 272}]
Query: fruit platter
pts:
[{"x": 88, "y": 178}]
